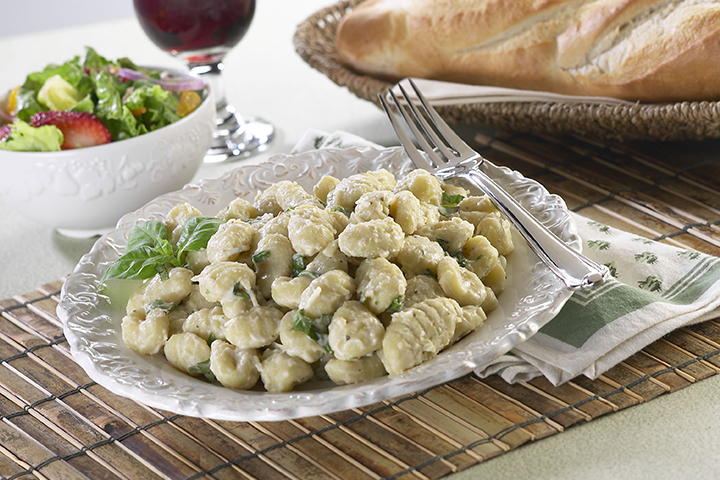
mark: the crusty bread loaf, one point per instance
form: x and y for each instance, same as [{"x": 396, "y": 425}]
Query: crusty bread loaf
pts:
[{"x": 639, "y": 50}]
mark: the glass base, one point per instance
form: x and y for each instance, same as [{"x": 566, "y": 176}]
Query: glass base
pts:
[
  {"x": 237, "y": 137},
  {"x": 81, "y": 233}
]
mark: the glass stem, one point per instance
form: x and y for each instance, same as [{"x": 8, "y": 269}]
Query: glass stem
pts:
[{"x": 211, "y": 73}]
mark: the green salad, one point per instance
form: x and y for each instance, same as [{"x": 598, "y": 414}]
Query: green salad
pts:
[{"x": 126, "y": 99}]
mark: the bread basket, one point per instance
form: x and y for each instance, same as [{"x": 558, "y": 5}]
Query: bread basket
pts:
[{"x": 315, "y": 42}]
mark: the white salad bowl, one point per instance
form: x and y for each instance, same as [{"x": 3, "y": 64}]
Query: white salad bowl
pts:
[
  {"x": 533, "y": 295},
  {"x": 84, "y": 192}
]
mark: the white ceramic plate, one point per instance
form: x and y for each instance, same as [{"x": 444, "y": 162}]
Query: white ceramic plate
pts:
[{"x": 532, "y": 297}]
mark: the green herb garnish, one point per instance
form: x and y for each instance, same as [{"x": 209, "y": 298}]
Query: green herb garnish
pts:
[
  {"x": 204, "y": 369},
  {"x": 299, "y": 262},
  {"x": 315, "y": 328},
  {"x": 340, "y": 209},
  {"x": 240, "y": 292},
  {"x": 195, "y": 234},
  {"x": 444, "y": 244},
  {"x": 261, "y": 256},
  {"x": 428, "y": 273},
  {"x": 396, "y": 304},
  {"x": 462, "y": 261},
  {"x": 449, "y": 204},
  {"x": 159, "y": 304},
  {"x": 308, "y": 273},
  {"x": 149, "y": 251},
  {"x": 451, "y": 199}
]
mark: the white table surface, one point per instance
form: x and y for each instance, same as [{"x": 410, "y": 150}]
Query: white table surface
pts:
[{"x": 676, "y": 436}]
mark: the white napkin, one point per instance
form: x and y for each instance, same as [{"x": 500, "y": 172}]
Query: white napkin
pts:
[
  {"x": 655, "y": 289},
  {"x": 447, "y": 93}
]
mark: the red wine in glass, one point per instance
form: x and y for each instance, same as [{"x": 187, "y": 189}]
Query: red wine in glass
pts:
[{"x": 201, "y": 32}]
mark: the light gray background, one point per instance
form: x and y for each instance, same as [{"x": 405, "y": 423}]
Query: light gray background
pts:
[{"x": 37, "y": 15}]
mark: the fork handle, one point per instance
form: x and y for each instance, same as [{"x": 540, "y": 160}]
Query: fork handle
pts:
[{"x": 574, "y": 269}]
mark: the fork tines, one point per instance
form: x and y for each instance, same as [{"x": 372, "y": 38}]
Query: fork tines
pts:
[{"x": 442, "y": 146}]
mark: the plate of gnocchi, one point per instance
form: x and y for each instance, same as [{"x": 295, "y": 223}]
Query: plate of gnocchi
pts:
[{"x": 309, "y": 284}]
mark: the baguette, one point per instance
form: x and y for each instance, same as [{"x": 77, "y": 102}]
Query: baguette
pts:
[{"x": 638, "y": 50}]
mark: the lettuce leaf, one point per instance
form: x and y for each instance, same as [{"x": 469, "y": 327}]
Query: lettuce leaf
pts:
[
  {"x": 118, "y": 118},
  {"x": 24, "y": 138}
]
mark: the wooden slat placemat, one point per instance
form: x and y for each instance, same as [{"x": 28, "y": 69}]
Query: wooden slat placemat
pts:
[{"x": 57, "y": 423}]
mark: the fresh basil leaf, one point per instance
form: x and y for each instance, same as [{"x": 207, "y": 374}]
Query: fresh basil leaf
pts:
[
  {"x": 299, "y": 262},
  {"x": 195, "y": 234},
  {"x": 203, "y": 368},
  {"x": 396, "y": 304},
  {"x": 138, "y": 264},
  {"x": 146, "y": 234},
  {"x": 261, "y": 256},
  {"x": 164, "y": 247}
]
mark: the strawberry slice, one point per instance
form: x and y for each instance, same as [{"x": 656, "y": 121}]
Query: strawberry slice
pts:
[
  {"x": 4, "y": 132},
  {"x": 80, "y": 129}
]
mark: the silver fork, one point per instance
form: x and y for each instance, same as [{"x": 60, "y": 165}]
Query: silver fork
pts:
[{"x": 448, "y": 156}]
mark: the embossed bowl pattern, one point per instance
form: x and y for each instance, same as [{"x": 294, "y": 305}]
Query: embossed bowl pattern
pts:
[
  {"x": 85, "y": 191},
  {"x": 533, "y": 295}
]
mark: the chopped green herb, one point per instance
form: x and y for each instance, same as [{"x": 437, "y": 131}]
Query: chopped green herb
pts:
[
  {"x": 315, "y": 328},
  {"x": 448, "y": 211},
  {"x": 340, "y": 209},
  {"x": 456, "y": 255},
  {"x": 451, "y": 199},
  {"x": 429, "y": 273},
  {"x": 449, "y": 204},
  {"x": 203, "y": 368},
  {"x": 162, "y": 305},
  {"x": 240, "y": 292},
  {"x": 443, "y": 243},
  {"x": 261, "y": 256},
  {"x": 211, "y": 338},
  {"x": 299, "y": 262},
  {"x": 308, "y": 273},
  {"x": 396, "y": 304}
]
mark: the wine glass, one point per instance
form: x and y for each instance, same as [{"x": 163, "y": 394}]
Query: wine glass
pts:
[{"x": 201, "y": 32}]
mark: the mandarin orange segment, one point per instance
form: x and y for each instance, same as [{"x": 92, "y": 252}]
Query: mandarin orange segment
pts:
[{"x": 189, "y": 101}]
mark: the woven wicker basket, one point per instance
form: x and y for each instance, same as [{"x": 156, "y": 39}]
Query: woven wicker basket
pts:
[{"x": 315, "y": 42}]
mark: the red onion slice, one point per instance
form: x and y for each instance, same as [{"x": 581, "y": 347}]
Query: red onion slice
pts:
[
  {"x": 175, "y": 84},
  {"x": 5, "y": 117}
]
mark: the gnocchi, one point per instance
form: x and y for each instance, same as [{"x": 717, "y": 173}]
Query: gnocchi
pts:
[{"x": 362, "y": 277}]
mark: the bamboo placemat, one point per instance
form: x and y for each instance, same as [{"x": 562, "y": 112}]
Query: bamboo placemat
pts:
[{"x": 57, "y": 423}]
